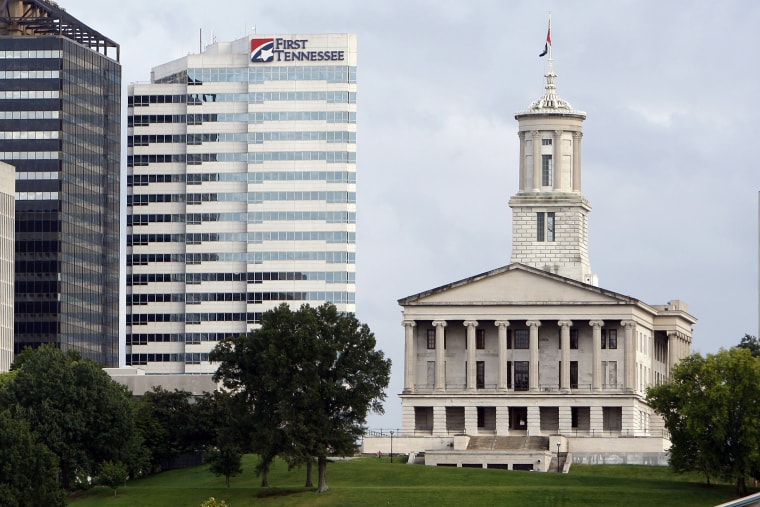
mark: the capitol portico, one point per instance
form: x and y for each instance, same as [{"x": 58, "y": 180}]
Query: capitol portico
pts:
[{"x": 519, "y": 351}]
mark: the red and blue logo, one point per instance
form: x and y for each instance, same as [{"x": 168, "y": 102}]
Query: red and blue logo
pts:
[{"x": 262, "y": 50}]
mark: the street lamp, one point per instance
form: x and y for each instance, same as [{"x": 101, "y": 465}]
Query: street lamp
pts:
[
  {"x": 391, "y": 446},
  {"x": 558, "y": 444}
]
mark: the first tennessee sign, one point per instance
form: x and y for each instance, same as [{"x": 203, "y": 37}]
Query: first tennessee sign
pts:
[{"x": 290, "y": 50}]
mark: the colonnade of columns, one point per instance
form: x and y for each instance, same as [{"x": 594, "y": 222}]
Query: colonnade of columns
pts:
[
  {"x": 678, "y": 348},
  {"x": 536, "y": 137}
]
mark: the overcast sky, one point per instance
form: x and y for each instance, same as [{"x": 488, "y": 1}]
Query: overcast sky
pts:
[{"x": 670, "y": 157}]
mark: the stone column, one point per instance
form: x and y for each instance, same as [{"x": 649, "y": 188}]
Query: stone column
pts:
[
  {"x": 521, "y": 136},
  {"x": 577, "y": 136},
  {"x": 440, "y": 356},
  {"x": 439, "y": 420},
  {"x": 671, "y": 354},
  {"x": 557, "y": 162},
  {"x": 596, "y": 420},
  {"x": 410, "y": 356},
  {"x": 534, "y": 420},
  {"x": 470, "y": 420},
  {"x": 628, "y": 423},
  {"x": 503, "y": 353},
  {"x": 471, "y": 326},
  {"x": 502, "y": 421},
  {"x": 533, "y": 367},
  {"x": 596, "y": 364},
  {"x": 564, "y": 381},
  {"x": 565, "y": 420},
  {"x": 408, "y": 419},
  {"x": 630, "y": 353},
  {"x": 536, "y": 161}
]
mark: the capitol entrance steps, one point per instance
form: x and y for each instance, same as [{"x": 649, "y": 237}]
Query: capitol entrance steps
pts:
[{"x": 490, "y": 443}]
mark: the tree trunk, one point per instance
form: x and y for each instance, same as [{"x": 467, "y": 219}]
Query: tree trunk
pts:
[
  {"x": 322, "y": 461},
  {"x": 64, "y": 476},
  {"x": 309, "y": 480},
  {"x": 741, "y": 486},
  {"x": 265, "y": 478}
]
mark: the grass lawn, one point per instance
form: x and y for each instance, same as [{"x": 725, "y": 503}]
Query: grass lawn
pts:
[{"x": 369, "y": 481}]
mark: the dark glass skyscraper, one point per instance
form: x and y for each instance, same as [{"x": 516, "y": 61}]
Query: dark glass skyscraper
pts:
[{"x": 60, "y": 103}]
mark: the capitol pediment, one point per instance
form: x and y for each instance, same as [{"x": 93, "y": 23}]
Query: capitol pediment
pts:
[{"x": 516, "y": 284}]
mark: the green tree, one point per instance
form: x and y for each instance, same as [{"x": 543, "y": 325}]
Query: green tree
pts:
[
  {"x": 112, "y": 475},
  {"x": 252, "y": 404},
  {"x": 309, "y": 377},
  {"x": 710, "y": 409},
  {"x": 28, "y": 469},
  {"x": 225, "y": 461},
  {"x": 75, "y": 408},
  {"x": 750, "y": 343},
  {"x": 170, "y": 423}
]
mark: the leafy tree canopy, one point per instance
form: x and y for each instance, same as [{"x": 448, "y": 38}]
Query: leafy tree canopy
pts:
[
  {"x": 112, "y": 475},
  {"x": 750, "y": 343},
  {"x": 308, "y": 380},
  {"x": 225, "y": 461},
  {"x": 28, "y": 469},
  {"x": 75, "y": 408},
  {"x": 710, "y": 409},
  {"x": 172, "y": 423}
]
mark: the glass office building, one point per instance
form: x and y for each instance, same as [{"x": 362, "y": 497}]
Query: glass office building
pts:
[
  {"x": 7, "y": 256},
  {"x": 60, "y": 100},
  {"x": 241, "y": 192}
]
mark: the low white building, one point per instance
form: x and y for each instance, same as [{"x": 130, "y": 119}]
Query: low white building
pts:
[{"x": 535, "y": 349}]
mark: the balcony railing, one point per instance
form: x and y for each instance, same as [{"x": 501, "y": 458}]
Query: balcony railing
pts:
[
  {"x": 544, "y": 388},
  {"x": 576, "y": 432}
]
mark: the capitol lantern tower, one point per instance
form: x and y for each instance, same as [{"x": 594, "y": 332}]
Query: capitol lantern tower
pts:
[{"x": 549, "y": 212}]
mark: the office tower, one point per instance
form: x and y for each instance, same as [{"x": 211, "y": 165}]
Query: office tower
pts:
[
  {"x": 7, "y": 254},
  {"x": 241, "y": 192},
  {"x": 60, "y": 96}
]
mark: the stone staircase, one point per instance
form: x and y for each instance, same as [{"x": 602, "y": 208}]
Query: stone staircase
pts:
[
  {"x": 553, "y": 464},
  {"x": 508, "y": 444}
]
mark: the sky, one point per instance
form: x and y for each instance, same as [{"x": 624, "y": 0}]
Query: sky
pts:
[{"x": 668, "y": 165}]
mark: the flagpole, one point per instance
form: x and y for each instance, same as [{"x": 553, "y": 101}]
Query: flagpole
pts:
[{"x": 548, "y": 36}]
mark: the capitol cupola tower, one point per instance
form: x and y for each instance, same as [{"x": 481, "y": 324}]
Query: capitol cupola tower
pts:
[{"x": 549, "y": 212}]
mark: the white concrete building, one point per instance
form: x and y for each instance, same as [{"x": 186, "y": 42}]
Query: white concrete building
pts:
[
  {"x": 7, "y": 257},
  {"x": 241, "y": 192},
  {"x": 512, "y": 367}
]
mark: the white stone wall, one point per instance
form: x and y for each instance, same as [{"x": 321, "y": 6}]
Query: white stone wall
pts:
[
  {"x": 567, "y": 255},
  {"x": 404, "y": 444}
]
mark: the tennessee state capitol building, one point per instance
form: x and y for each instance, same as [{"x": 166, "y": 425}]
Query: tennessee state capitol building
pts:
[{"x": 533, "y": 362}]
